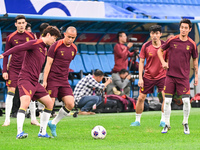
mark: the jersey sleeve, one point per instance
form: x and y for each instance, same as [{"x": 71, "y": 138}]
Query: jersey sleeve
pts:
[
  {"x": 195, "y": 51},
  {"x": 51, "y": 51},
  {"x": 166, "y": 44},
  {"x": 142, "y": 52},
  {"x": 5, "y": 60}
]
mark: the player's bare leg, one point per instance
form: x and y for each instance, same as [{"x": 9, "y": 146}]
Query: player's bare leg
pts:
[
  {"x": 8, "y": 105},
  {"x": 63, "y": 112},
  {"x": 139, "y": 109},
  {"x": 32, "y": 108}
]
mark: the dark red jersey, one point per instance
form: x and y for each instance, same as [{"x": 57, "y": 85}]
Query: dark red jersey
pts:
[
  {"x": 13, "y": 40},
  {"x": 62, "y": 56},
  {"x": 180, "y": 53},
  {"x": 153, "y": 68},
  {"x": 33, "y": 60}
]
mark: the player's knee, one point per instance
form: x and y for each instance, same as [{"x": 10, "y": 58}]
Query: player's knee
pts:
[{"x": 141, "y": 97}]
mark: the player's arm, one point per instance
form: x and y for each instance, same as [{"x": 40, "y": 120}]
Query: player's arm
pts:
[
  {"x": 9, "y": 62},
  {"x": 141, "y": 68},
  {"x": 47, "y": 70},
  {"x": 195, "y": 64},
  {"x": 160, "y": 56}
]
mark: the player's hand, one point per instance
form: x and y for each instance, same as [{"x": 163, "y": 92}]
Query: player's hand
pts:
[
  {"x": 5, "y": 76},
  {"x": 141, "y": 83},
  {"x": 196, "y": 81},
  {"x": 165, "y": 65},
  {"x": 44, "y": 84},
  {"x": 1, "y": 56},
  {"x": 128, "y": 77}
]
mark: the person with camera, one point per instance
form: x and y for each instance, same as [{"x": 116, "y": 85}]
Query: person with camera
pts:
[
  {"x": 88, "y": 92},
  {"x": 121, "y": 52},
  {"x": 154, "y": 74},
  {"x": 120, "y": 83}
]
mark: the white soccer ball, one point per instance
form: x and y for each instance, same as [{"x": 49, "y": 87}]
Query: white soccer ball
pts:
[{"x": 98, "y": 132}]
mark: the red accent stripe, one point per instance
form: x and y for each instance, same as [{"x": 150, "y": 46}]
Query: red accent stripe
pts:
[
  {"x": 12, "y": 34},
  {"x": 75, "y": 47},
  {"x": 175, "y": 37},
  {"x": 29, "y": 34},
  {"x": 38, "y": 41},
  {"x": 26, "y": 92},
  {"x": 60, "y": 42},
  {"x": 195, "y": 46}
]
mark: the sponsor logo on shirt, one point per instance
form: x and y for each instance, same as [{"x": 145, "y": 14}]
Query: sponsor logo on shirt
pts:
[
  {"x": 175, "y": 45},
  {"x": 27, "y": 39},
  {"x": 72, "y": 53},
  {"x": 62, "y": 53},
  {"x": 187, "y": 47},
  {"x": 185, "y": 90},
  {"x": 40, "y": 49},
  {"x": 150, "y": 54},
  {"x": 16, "y": 41}
]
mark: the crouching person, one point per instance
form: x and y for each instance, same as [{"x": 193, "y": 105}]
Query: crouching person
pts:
[{"x": 87, "y": 93}]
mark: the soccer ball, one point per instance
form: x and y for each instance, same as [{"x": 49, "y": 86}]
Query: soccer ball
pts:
[{"x": 98, "y": 132}]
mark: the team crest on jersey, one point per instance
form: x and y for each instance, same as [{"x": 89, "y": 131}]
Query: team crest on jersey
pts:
[
  {"x": 40, "y": 49},
  {"x": 27, "y": 39},
  {"x": 62, "y": 53},
  {"x": 175, "y": 45},
  {"x": 9, "y": 81},
  {"x": 30, "y": 92},
  {"x": 16, "y": 41},
  {"x": 187, "y": 47},
  {"x": 72, "y": 53}
]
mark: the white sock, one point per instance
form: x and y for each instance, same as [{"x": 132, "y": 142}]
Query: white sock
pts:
[
  {"x": 167, "y": 109},
  {"x": 162, "y": 117},
  {"x": 20, "y": 120},
  {"x": 32, "y": 110},
  {"x": 8, "y": 105},
  {"x": 40, "y": 106},
  {"x": 44, "y": 118},
  {"x": 138, "y": 116},
  {"x": 61, "y": 114},
  {"x": 186, "y": 109}
]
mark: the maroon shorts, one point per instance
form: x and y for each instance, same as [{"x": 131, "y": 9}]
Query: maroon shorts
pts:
[
  {"x": 34, "y": 91},
  {"x": 59, "y": 91},
  {"x": 149, "y": 85},
  {"x": 182, "y": 86},
  {"x": 12, "y": 77}
]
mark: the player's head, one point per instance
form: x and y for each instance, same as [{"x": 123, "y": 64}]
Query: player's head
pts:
[
  {"x": 20, "y": 23},
  {"x": 155, "y": 32},
  {"x": 70, "y": 35},
  {"x": 123, "y": 73},
  {"x": 42, "y": 27},
  {"x": 121, "y": 37},
  {"x": 98, "y": 75},
  {"x": 28, "y": 27},
  {"x": 185, "y": 27},
  {"x": 51, "y": 33}
]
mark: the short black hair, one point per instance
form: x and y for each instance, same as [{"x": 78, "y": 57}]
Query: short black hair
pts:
[
  {"x": 123, "y": 71},
  {"x": 119, "y": 34},
  {"x": 98, "y": 72},
  {"x": 28, "y": 25},
  {"x": 155, "y": 28},
  {"x": 52, "y": 30},
  {"x": 186, "y": 21},
  {"x": 42, "y": 27},
  {"x": 19, "y": 17}
]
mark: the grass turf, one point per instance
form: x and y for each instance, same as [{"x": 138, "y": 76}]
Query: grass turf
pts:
[{"x": 75, "y": 133}]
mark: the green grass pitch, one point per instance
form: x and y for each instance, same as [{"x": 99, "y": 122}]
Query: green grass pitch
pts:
[{"x": 75, "y": 133}]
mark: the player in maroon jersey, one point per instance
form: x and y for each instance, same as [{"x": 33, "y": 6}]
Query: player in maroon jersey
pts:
[
  {"x": 29, "y": 87},
  {"x": 56, "y": 73},
  {"x": 180, "y": 49},
  {"x": 154, "y": 74},
  {"x": 12, "y": 68}
]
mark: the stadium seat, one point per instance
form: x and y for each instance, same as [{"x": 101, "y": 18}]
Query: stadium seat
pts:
[
  {"x": 77, "y": 64},
  {"x": 100, "y": 49},
  {"x": 108, "y": 48},
  {"x": 83, "y": 48},
  {"x": 87, "y": 63},
  {"x": 104, "y": 63},
  {"x": 91, "y": 49},
  {"x": 111, "y": 60}
]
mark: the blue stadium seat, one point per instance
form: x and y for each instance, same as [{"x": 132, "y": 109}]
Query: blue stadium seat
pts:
[
  {"x": 108, "y": 48},
  {"x": 100, "y": 49},
  {"x": 83, "y": 48},
  {"x": 104, "y": 63},
  {"x": 87, "y": 63},
  {"x": 111, "y": 60},
  {"x": 91, "y": 49},
  {"x": 77, "y": 64},
  {"x": 95, "y": 62}
]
